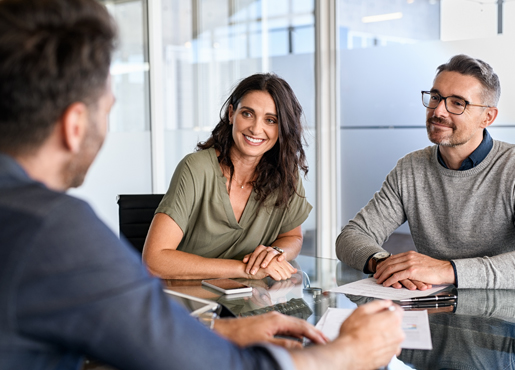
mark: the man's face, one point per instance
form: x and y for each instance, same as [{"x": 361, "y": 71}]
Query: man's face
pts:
[
  {"x": 93, "y": 139},
  {"x": 452, "y": 130}
]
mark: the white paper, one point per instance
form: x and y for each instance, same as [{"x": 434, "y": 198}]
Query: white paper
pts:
[
  {"x": 331, "y": 321},
  {"x": 415, "y": 325},
  {"x": 369, "y": 288}
]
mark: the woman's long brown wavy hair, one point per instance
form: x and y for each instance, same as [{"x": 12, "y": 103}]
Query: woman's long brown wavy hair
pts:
[{"x": 279, "y": 167}]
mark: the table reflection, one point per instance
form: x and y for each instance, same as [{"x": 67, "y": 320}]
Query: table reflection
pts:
[{"x": 479, "y": 334}]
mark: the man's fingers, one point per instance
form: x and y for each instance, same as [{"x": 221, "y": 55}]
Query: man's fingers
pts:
[
  {"x": 395, "y": 278},
  {"x": 298, "y": 328},
  {"x": 286, "y": 343},
  {"x": 409, "y": 284},
  {"x": 421, "y": 285},
  {"x": 375, "y": 306}
]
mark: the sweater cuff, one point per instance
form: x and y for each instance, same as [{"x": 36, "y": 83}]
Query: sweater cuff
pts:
[
  {"x": 365, "y": 268},
  {"x": 455, "y": 274}
]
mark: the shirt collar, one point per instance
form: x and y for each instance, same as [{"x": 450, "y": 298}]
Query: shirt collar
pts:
[
  {"x": 11, "y": 172},
  {"x": 476, "y": 157}
]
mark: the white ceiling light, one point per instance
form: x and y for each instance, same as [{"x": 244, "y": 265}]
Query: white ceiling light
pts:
[{"x": 381, "y": 17}]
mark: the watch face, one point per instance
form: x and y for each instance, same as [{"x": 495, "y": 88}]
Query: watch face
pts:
[{"x": 380, "y": 255}]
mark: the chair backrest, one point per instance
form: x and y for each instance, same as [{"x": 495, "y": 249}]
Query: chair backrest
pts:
[{"x": 135, "y": 215}]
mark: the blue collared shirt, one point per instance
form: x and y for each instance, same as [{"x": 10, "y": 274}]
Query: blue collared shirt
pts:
[{"x": 476, "y": 157}]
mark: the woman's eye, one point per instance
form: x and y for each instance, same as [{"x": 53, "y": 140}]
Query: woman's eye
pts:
[
  {"x": 271, "y": 121},
  {"x": 246, "y": 114}
]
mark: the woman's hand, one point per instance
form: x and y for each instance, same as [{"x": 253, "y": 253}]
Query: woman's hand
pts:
[
  {"x": 276, "y": 270},
  {"x": 261, "y": 258}
]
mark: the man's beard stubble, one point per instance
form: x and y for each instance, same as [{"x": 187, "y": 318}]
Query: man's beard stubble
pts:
[
  {"x": 75, "y": 172},
  {"x": 446, "y": 141}
]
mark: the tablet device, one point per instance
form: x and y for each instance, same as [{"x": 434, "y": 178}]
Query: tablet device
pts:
[
  {"x": 227, "y": 286},
  {"x": 196, "y": 306}
]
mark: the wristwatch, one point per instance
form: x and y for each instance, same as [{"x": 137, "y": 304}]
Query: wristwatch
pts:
[{"x": 378, "y": 257}]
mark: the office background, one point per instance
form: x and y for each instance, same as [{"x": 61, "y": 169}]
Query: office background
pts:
[{"x": 357, "y": 67}]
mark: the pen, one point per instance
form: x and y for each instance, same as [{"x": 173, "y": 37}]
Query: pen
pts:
[
  {"x": 440, "y": 297},
  {"x": 429, "y": 305}
]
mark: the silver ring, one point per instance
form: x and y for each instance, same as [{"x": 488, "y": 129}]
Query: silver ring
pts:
[{"x": 278, "y": 249}]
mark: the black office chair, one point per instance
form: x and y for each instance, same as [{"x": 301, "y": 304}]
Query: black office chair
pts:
[{"x": 135, "y": 215}]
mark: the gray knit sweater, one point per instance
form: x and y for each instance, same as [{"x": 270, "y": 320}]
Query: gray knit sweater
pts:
[{"x": 464, "y": 216}]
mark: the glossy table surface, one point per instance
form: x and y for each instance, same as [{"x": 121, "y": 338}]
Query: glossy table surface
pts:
[{"x": 478, "y": 334}]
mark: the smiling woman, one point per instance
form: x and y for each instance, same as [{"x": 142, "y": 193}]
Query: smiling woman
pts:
[{"x": 235, "y": 207}]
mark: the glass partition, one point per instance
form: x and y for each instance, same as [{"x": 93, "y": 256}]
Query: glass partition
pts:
[
  {"x": 392, "y": 48},
  {"x": 124, "y": 163}
]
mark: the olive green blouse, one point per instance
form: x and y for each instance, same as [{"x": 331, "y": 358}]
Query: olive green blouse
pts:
[{"x": 198, "y": 201}]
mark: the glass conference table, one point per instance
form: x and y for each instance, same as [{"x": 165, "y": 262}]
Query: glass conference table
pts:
[{"x": 479, "y": 334}]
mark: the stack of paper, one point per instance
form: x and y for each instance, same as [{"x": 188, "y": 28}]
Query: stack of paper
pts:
[{"x": 370, "y": 288}]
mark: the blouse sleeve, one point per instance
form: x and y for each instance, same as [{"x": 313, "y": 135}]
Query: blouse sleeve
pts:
[
  {"x": 297, "y": 211},
  {"x": 179, "y": 200}
]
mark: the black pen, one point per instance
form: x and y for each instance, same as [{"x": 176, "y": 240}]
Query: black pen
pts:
[
  {"x": 429, "y": 305},
  {"x": 431, "y": 298}
]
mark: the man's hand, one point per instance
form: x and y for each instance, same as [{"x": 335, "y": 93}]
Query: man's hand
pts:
[
  {"x": 263, "y": 328},
  {"x": 261, "y": 258},
  {"x": 414, "y": 271},
  {"x": 374, "y": 332},
  {"x": 369, "y": 338}
]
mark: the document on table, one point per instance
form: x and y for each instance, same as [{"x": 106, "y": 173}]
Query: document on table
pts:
[
  {"x": 369, "y": 288},
  {"x": 415, "y": 325}
]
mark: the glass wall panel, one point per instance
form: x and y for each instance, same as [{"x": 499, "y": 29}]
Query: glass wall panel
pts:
[
  {"x": 124, "y": 163},
  {"x": 210, "y": 45},
  {"x": 130, "y": 68},
  {"x": 389, "y": 52}
]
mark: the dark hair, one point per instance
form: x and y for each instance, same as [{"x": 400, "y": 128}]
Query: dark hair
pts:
[
  {"x": 476, "y": 68},
  {"x": 279, "y": 167},
  {"x": 52, "y": 53}
]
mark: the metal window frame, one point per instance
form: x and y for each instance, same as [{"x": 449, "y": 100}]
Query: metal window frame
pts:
[{"x": 327, "y": 80}]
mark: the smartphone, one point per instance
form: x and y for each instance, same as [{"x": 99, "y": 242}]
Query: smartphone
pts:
[{"x": 227, "y": 286}]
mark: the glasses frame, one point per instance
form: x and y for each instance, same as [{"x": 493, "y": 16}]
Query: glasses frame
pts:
[{"x": 444, "y": 98}]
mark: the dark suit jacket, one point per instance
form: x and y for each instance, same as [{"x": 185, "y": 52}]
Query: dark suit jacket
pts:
[{"x": 69, "y": 287}]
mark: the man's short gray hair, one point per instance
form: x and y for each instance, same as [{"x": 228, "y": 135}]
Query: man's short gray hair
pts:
[{"x": 485, "y": 74}]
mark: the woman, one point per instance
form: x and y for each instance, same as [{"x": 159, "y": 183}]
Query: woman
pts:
[{"x": 234, "y": 208}]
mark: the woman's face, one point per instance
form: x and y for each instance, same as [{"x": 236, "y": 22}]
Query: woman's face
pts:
[{"x": 255, "y": 127}]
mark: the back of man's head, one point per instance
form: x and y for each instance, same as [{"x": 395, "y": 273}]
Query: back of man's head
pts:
[
  {"x": 482, "y": 71},
  {"x": 52, "y": 53}
]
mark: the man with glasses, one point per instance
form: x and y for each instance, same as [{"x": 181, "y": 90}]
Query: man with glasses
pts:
[{"x": 458, "y": 196}]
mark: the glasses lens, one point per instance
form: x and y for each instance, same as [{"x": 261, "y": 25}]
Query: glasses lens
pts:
[
  {"x": 430, "y": 100},
  {"x": 455, "y": 105}
]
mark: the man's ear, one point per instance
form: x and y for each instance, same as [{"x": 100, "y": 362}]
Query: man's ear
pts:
[
  {"x": 489, "y": 116},
  {"x": 74, "y": 124}
]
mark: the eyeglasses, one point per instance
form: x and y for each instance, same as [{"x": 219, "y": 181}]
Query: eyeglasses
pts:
[{"x": 454, "y": 105}]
